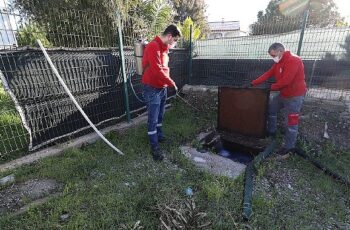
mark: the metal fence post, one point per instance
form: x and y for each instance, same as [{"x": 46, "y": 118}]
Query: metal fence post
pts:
[
  {"x": 306, "y": 15},
  {"x": 121, "y": 54},
  {"x": 190, "y": 57}
]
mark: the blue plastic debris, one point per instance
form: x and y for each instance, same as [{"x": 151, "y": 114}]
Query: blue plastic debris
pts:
[{"x": 189, "y": 191}]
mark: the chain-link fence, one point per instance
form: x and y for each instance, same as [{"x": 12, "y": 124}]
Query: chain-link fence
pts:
[
  {"x": 324, "y": 48},
  {"x": 83, "y": 42}
]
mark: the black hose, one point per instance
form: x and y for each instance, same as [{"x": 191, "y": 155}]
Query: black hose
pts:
[
  {"x": 326, "y": 170},
  {"x": 248, "y": 180},
  {"x": 265, "y": 154}
]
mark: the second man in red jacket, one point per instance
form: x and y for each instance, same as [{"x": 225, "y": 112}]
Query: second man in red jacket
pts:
[{"x": 288, "y": 71}]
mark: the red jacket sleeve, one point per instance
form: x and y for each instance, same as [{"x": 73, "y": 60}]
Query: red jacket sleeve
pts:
[
  {"x": 289, "y": 73},
  {"x": 155, "y": 64},
  {"x": 264, "y": 77}
]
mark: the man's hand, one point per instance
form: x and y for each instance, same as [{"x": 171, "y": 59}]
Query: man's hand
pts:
[{"x": 247, "y": 85}]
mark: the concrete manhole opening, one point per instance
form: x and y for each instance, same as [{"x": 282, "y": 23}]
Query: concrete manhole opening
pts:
[{"x": 236, "y": 147}]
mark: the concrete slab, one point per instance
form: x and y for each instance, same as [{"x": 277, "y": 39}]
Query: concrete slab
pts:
[{"x": 213, "y": 163}]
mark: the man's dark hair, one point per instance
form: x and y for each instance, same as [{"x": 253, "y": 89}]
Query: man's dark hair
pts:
[
  {"x": 173, "y": 30},
  {"x": 277, "y": 47}
]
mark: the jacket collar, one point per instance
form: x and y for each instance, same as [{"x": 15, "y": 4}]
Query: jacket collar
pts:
[
  {"x": 161, "y": 44},
  {"x": 285, "y": 56}
]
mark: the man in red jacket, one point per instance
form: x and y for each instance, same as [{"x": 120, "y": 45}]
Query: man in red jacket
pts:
[
  {"x": 288, "y": 71},
  {"x": 156, "y": 79}
]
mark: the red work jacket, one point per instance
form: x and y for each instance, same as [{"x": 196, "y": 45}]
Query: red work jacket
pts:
[
  {"x": 155, "y": 65},
  {"x": 289, "y": 74}
]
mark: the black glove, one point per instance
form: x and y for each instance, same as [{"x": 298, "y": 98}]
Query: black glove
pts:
[{"x": 246, "y": 85}]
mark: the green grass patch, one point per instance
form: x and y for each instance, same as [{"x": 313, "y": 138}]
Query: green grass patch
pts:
[
  {"x": 103, "y": 190},
  {"x": 13, "y": 136}
]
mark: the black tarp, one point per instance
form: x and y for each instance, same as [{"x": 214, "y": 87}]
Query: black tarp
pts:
[
  {"x": 236, "y": 72},
  {"x": 94, "y": 78},
  {"x": 91, "y": 75}
]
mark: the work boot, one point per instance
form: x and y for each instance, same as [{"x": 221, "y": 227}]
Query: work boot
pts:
[{"x": 158, "y": 154}]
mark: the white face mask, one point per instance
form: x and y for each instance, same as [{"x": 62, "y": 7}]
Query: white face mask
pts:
[{"x": 276, "y": 59}]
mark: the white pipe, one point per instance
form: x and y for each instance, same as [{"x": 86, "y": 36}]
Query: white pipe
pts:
[{"x": 73, "y": 99}]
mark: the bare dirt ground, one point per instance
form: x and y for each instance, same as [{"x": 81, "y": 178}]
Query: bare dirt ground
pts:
[
  {"x": 315, "y": 115},
  {"x": 16, "y": 196}
]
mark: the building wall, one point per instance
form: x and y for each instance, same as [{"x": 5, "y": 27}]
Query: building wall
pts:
[
  {"x": 7, "y": 24},
  {"x": 224, "y": 34}
]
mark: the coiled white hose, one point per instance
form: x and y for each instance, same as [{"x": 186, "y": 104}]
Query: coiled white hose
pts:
[{"x": 73, "y": 99}]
